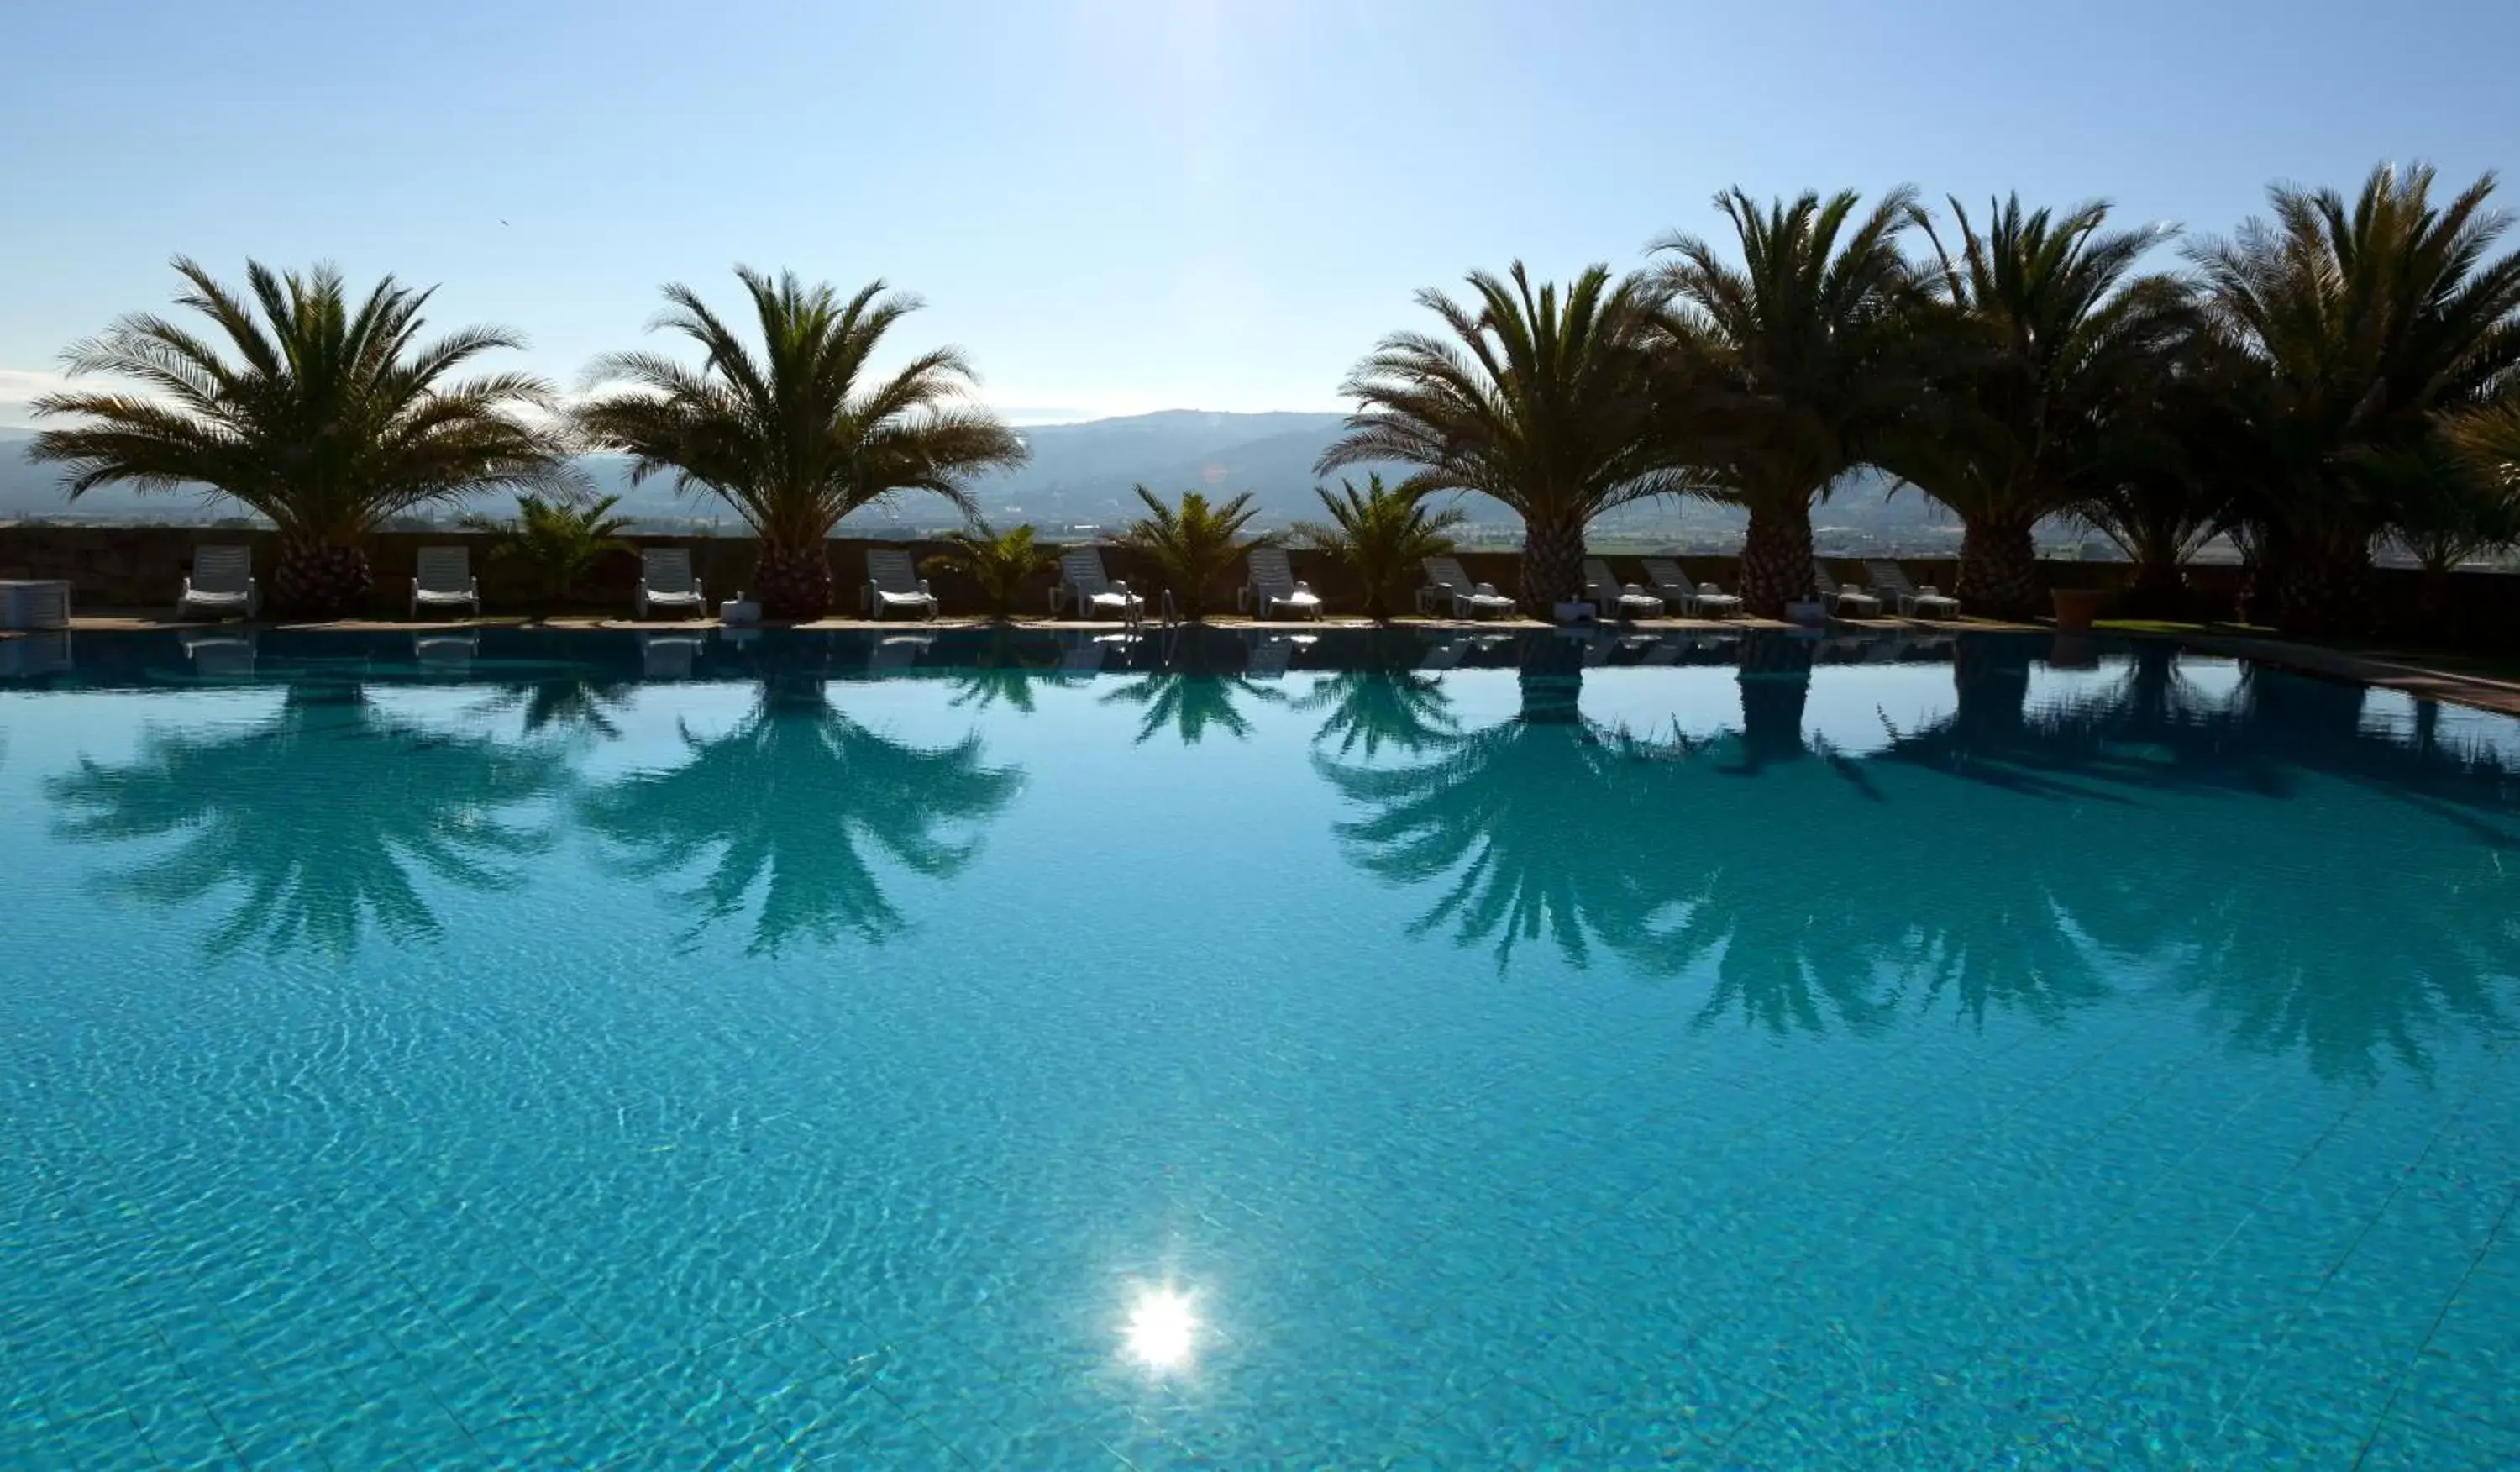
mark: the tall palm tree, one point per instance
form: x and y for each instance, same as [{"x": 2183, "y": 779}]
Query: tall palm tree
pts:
[
  {"x": 2054, "y": 346},
  {"x": 797, "y": 435},
  {"x": 1801, "y": 359},
  {"x": 1548, "y": 403},
  {"x": 327, "y": 417},
  {"x": 2162, "y": 490},
  {"x": 2362, "y": 323}
]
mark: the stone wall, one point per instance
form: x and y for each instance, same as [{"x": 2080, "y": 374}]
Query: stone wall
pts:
[{"x": 133, "y": 568}]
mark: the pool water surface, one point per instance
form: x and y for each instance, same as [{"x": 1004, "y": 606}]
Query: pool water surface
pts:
[{"x": 1229, "y": 1050}]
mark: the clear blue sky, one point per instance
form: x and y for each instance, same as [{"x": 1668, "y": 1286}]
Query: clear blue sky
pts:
[{"x": 1122, "y": 204}]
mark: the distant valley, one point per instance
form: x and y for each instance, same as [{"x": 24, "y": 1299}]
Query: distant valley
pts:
[{"x": 1081, "y": 474}]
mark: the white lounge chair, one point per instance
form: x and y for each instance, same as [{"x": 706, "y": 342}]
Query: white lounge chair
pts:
[
  {"x": 1448, "y": 585},
  {"x": 444, "y": 580},
  {"x": 1083, "y": 583},
  {"x": 665, "y": 581},
  {"x": 1272, "y": 586},
  {"x": 1912, "y": 601},
  {"x": 1836, "y": 596},
  {"x": 221, "y": 583},
  {"x": 1696, "y": 600},
  {"x": 893, "y": 581},
  {"x": 669, "y": 656},
  {"x": 1611, "y": 597}
]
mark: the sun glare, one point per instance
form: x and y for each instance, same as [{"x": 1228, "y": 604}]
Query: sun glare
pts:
[{"x": 1160, "y": 1329}]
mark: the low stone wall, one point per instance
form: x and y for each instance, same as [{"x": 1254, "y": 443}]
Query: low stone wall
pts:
[{"x": 138, "y": 567}]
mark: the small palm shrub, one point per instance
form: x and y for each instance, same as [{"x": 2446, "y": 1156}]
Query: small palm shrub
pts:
[
  {"x": 1194, "y": 546},
  {"x": 1379, "y": 535},
  {"x": 557, "y": 541},
  {"x": 1001, "y": 562}
]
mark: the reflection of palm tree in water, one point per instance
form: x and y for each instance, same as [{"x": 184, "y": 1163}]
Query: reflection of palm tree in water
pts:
[
  {"x": 1192, "y": 701},
  {"x": 791, "y": 802},
  {"x": 2037, "y": 887},
  {"x": 2215, "y": 899},
  {"x": 576, "y": 705},
  {"x": 1006, "y": 670},
  {"x": 320, "y": 814},
  {"x": 1373, "y": 709}
]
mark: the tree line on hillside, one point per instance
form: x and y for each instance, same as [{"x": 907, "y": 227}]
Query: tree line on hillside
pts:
[{"x": 2342, "y": 375}]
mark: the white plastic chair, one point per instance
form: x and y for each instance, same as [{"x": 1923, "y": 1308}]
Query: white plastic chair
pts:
[
  {"x": 1927, "y": 602},
  {"x": 1272, "y": 586},
  {"x": 1447, "y": 583},
  {"x": 893, "y": 581},
  {"x": 1835, "y": 596},
  {"x": 221, "y": 583},
  {"x": 443, "y": 578},
  {"x": 1611, "y": 597},
  {"x": 665, "y": 581},
  {"x": 1696, "y": 599},
  {"x": 1083, "y": 582}
]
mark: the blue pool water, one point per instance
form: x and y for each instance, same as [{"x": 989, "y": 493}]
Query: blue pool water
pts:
[{"x": 581, "y": 1050}]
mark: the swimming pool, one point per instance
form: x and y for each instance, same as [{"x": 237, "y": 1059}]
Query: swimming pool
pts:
[{"x": 1228, "y": 1050}]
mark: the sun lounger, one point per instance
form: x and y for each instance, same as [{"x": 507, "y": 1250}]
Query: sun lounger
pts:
[
  {"x": 893, "y": 582},
  {"x": 1448, "y": 586},
  {"x": 1272, "y": 586},
  {"x": 1615, "y": 599},
  {"x": 221, "y": 584},
  {"x": 1083, "y": 583},
  {"x": 1696, "y": 600},
  {"x": 443, "y": 578},
  {"x": 1838, "y": 597},
  {"x": 665, "y": 582},
  {"x": 1912, "y": 601}
]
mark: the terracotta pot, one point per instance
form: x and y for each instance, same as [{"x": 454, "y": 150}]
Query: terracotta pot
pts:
[{"x": 2076, "y": 607}]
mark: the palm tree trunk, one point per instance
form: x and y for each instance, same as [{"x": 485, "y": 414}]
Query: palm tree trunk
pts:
[
  {"x": 320, "y": 579},
  {"x": 2319, "y": 588},
  {"x": 795, "y": 582},
  {"x": 1777, "y": 559},
  {"x": 1775, "y": 684},
  {"x": 1999, "y": 572},
  {"x": 1553, "y": 563},
  {"x": 2158, "y": 589}
]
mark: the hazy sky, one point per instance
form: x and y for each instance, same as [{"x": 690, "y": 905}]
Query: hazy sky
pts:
[{"x": 1124, "y": 205}]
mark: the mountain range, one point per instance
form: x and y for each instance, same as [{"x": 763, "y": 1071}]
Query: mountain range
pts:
[{"x": 1080, "y": 475}]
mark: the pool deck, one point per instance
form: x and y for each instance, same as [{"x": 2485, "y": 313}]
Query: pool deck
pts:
[{"x": 2477, "y": 691}]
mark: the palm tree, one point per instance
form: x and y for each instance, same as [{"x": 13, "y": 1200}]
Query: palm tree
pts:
[
  {"x": 795, "y": 437},
  {"x": 2052, "y": 345},
  {"x": 557, "y": 541},
  {"x": 2450, "y": 502},
  {"x": 325, "y": 417},
  {"x": 318, "y": 819},
  {"x": 1001, "y": 562},
  {"x": 1548, "y": 405},
  {"x": 786, "y": 808},
  {"x": 1196, "y": 545},
  {"x": 2162, "y": 490},
  {"x": 1801, "y": 358},
  {"x": 1379, "y": 535},
  {"x": 2361, "y": 323}
]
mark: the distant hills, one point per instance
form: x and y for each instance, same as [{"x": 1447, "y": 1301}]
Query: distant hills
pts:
[{"x": 1080, "y": 475}]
